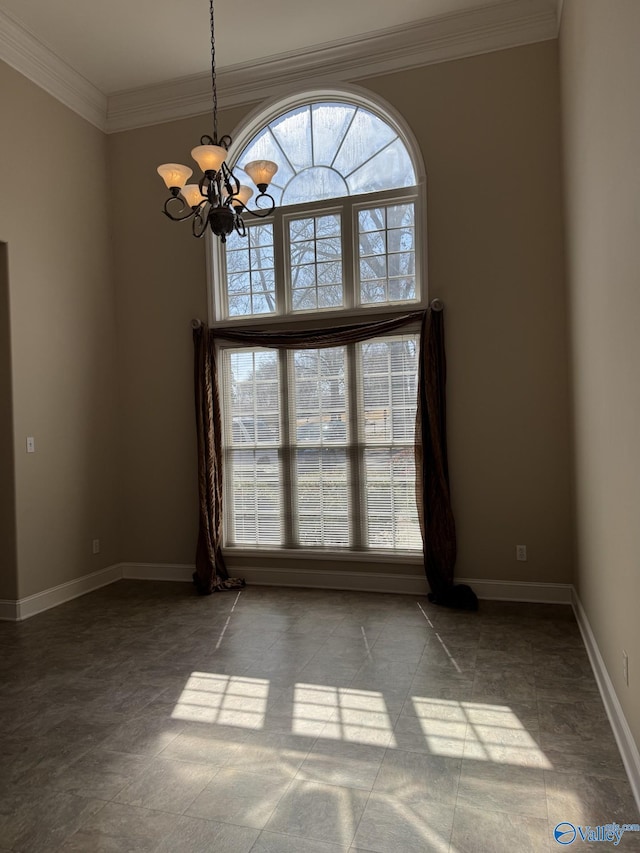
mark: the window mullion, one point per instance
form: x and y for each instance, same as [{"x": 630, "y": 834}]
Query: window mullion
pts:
[
  {"x": 356, "y": 461},
  {"x": 280, "y": 253},
  {"x": 290, "y": 536},
  {"x": 227, "y": 465},
  {"x": 348, "y": 256}
]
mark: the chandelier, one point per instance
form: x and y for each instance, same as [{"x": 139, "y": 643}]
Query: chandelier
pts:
[{"x": 218, "y": 199}]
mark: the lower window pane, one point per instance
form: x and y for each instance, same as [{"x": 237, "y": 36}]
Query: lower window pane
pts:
[
  {"x": 391, "y": 514},
  {"x": 322, "y": 496},
  {"x": 255, "y": 479}
]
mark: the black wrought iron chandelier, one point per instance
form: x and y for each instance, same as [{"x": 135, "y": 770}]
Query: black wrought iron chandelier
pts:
[{"x": 218, "y": 199}]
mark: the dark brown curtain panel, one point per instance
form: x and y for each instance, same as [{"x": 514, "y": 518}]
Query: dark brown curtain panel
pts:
[
  {"x": 211, "y": 573},
  {"x": 432, "y": 470},
  {"x": 432, "y": 476}
]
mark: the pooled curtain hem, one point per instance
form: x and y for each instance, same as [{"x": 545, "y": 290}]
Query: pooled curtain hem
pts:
[{"x": 219, "y": 584}]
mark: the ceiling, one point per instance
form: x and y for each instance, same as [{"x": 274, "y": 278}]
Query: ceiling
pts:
[{"x": 126, "y": 44}]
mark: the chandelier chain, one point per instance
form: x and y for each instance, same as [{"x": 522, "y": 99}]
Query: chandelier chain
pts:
[
  {"x": 217, "y": 201},
  {"x": 214, "y": 91}
]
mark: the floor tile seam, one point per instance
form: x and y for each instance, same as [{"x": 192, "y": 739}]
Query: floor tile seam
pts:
[
  {"x": 357, "y": 826},
  {"x": 355, "y": 832},
  {"x": 579, "y": 738},
  {"x": 217, "y": 767},
  {"x": 51, "y": 786},
  {"x": 493, "y": 811},
  {"x": 431, "y": 801},
  {"x": 159, "y": 810},
  {"x": 548, "y": 800},
  {"x": 387, "y": 749},
  {"x": 218, "y": 820},
  {"x": 549, "y": 696},
  {"x": 496, "y": 810},
  {"x": 455, "y": 798},
  {"x": 546, "y": 804},
  {"x": 540, "y": 672},
  {"x": 80, "y": 827},
  {"x": 549, "y": 796},
  {"x": 284, "y": 793},
  {"x": 359, "y": 788}
]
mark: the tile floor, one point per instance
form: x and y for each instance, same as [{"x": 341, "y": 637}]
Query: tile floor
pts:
[{"x": 143, "y": 718}]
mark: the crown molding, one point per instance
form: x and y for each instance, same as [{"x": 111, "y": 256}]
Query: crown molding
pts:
[
  {"x": 22, "y": 51},
  {"x": 448, "y": 37}
]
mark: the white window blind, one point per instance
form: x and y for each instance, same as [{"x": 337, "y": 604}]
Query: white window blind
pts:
[{"x": 319, "y": 446}]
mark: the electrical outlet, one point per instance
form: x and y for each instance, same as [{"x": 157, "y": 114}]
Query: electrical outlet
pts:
[
  {"x": 521, "y": 553},
  {"x": 625, "y": 667},
  {"x": 96, "y": 546}
]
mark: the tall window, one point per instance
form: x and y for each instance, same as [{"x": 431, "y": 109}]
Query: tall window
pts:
[{"x": 318, "y": 444}]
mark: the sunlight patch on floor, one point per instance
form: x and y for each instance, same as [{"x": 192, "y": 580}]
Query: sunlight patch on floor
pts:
[
  {"x": 228, "y": 700},
  {"x": 481, "y": 731},
  {"x": 490, "y": 732},
  {"x": 357, "y": 716}
]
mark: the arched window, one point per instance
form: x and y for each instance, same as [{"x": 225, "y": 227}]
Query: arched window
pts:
[
  {"x": 347, "y": 232},
  {"x": 328, "y": 150},
  {"x": 318, "y": 444}
]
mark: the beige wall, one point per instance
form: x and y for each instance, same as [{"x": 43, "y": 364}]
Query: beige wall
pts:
[
  {"x": 600, "y": 73},
  {"x": 8, "y": 565},
  {"x": 488, "y": 128},
  {"x": 53, "y": 218}
]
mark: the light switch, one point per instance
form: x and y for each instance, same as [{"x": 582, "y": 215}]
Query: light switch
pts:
[{"x": 31, "y": 444}]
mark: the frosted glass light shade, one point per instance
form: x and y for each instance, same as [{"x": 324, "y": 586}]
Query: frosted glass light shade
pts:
[
  {"x": 209, "y": 157},
  {"x": 243, "y": 195},
  {"x": 192, "y": 195},
  {"x": 261, "y": 171},
  {"x": 174, "y": 174}
]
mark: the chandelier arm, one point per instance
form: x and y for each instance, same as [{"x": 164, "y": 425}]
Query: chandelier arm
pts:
[
  {"x": 239, "y": 225},
  {"x": 231, "y": 183},
  {"x": 203, "y": 185},
  {"x": 199, "y": 222},
  {"x": 260, "y": 213},
  {"x": 178, "y": 216}
]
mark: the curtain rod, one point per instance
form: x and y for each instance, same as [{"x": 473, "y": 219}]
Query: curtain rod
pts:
[{"x": 435, "y": 305}]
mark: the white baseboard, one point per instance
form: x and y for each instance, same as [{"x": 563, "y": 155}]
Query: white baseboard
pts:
[
  {"x": 390, "y": 582},
  {"x": 23, "y": 608},
  {"x": 551, "y": 593},
  {"x": 524, "y": 591},
  {"x": 158, "y": 571},
  {"x": 622, "y": 733},
  {"x": 327, "y": 579}
]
